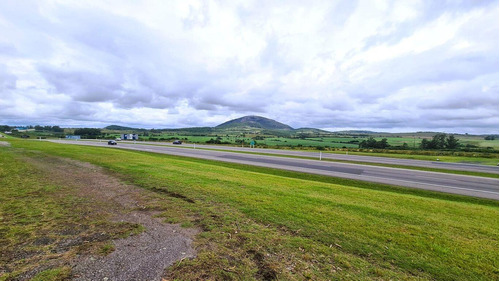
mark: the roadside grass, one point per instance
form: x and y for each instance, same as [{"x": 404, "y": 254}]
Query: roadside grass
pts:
[
  {"x": 262, "y": 223},
  {"x": 43, "y": 225},
  {"x": 493, "y": 161}
]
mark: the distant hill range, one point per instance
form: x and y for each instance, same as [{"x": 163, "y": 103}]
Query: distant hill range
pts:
[
  {"x": 264, "y": 125},
  {"x": 253, "y": 122},
  {"x": 121, "y": 128}
]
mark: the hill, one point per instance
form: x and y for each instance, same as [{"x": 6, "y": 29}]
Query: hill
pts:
[
  {"x": 311, "y": 131},
  {"x": 253, "y": 122},
  {"x": 121, "y": 128}
]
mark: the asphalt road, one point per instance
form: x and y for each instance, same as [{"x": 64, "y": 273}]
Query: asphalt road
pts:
[
  {"x": 348, "y": 157},
  {"x": 442, "y": 182}
]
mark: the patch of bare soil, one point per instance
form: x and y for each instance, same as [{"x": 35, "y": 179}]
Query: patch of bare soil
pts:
[
  {"x": 4, "y": 143},
  {"x": 139, "y": 257}
]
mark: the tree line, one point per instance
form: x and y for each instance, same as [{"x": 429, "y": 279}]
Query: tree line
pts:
[
  {"x": 440, "y": 141},
  {"x": 373, "y": 143},
  {"x": 88, "y": 132},
  {"x": 55, "y": 129}
]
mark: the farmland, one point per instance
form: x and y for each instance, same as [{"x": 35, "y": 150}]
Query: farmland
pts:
[
  {"x": 261, "y": 223},
  {"x": 267, "y": 133},
  {"x": 327, "y": 141}
]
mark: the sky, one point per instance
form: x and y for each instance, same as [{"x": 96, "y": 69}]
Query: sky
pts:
[{"x": 393, "y": 66}]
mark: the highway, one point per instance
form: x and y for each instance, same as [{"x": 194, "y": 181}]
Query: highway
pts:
[
  {"x": 442, "y": 182},
  {"x": 345, "y": 157}
]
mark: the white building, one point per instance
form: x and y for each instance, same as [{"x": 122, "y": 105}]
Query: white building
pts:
[{"x": 130, "y": 137}]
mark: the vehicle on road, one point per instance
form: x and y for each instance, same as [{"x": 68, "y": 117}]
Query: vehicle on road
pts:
[
  {"x": 112, "y": 142},
  {"x": 118, "y": 139},
  {"x": 177, "y": 142}
]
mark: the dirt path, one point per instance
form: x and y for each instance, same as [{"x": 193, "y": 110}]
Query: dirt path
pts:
[
  {"x": 139, "y": 257},
  {"x": 4, "y": 143}
]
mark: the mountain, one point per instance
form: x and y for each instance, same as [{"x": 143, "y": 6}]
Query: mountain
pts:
[
  {"x": 121, "y": 128},
  {"x": 356, "y": 132},
  {"x": 311, "y": 131},
  {"x": 253, "y": 122}
]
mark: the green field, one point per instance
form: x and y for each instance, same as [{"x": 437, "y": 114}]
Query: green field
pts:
[
  {"x": 331, "y": 140},
  {"x": 334, "y": 142},
  {"x": 261, "y": 223},
  {"x": 341, "y": 145}
]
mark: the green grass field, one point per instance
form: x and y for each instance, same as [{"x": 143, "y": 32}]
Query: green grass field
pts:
[
  {"x": 262, "y": 224},
  {"x": 334, "y": 142}
]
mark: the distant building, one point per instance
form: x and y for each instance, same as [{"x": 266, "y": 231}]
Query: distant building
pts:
[
  {"x": 72, "y": 137},
  {"x": 24, "y": 129},
  {"x": 130, "y": 137}
]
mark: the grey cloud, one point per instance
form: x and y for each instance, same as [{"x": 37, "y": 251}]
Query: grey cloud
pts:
[
  {"x": 7, "y": 49},
  {"x": 272, "y": 56},
  {"x": 423, "y": 68},
  {"x": 82, "y": 85},
  {"x": 7, "y": 80},
  {"x": 79, "y": 111},
  {"x": 471, "y": 100},
  {"x": 217, "y": 101}
]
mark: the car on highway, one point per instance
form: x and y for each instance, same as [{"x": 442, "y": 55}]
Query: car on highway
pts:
[
  {"x": 112, "y": 142},
  {"x": 177, "y": 142}
]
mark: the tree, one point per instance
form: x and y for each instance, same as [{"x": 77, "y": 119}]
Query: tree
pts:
[
  {"x": 382, "y": 144},
  {"x": 440, "y": 141},
  {"x": 373, "y": 143},
  {"x": 57, "y": 129},
  {"x": 451, "y": 142},
  {"x": 425, "y": 144},
  {"x": 88, "y": 132}
]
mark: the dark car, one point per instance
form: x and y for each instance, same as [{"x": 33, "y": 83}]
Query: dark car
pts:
[
  {"x": 112, "y": 142},
  {"x": 177, "y": 142}
]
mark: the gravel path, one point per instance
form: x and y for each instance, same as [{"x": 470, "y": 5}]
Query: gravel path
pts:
[{"x": 139, "y": 257}]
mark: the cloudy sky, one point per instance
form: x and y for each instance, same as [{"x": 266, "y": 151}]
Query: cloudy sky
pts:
[{"x": 378, "y": 65}]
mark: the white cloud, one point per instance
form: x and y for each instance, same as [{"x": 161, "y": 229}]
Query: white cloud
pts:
[{"x": 392, "y": 65}]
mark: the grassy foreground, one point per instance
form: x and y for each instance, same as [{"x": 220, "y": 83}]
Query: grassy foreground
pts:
[
  {"x": 43, "y": 225},
  {"x": 265, "y": 224}
]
